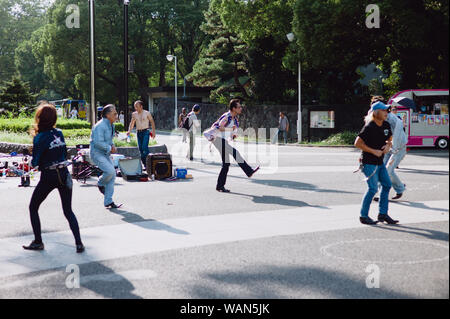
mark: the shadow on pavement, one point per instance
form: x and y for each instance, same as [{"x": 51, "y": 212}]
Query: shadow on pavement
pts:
[
  {"x": 418, "y": 205},
  {"x": 277, "y": 200},
  {"x": 427, "y": 233},
  {"x": 419, "y": 171},
  {"x": 276, "y": 282},
  {"x": 151, "y": 224},
  {"x": 296, "y": 185},
  {"x": 105, "y": 282}
]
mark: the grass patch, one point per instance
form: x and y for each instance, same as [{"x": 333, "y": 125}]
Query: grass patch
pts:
[
  {"x": 23, "y": 125},
  {"x": 346, "y": 138}
]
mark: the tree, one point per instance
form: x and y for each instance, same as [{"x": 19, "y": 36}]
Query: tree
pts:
[
  {"x": 18, "y": 19},
  {"x": 417, "y": 41},
  {"x": 333, "y": 40},
  {"x": 190, "y": 39},
  {"x": 263, "y": 26},
  {"x": 16, "y": 94},
  {"x": 223, "y": 63}
]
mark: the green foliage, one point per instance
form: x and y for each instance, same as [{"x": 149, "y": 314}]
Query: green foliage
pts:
[
  {"x": 343, "y": 138},
  {"x": 239, "y": 46},
  {"x": 23, "y": 124},
  {"x": 223, "y": 62},
  {"x": 24, "y": 138},
  {"x": 16, "y": 94},
  {"x": 18, "y": 19},
  {"x": 392, "y": 83},
  {"x": 333, "y": 40}
]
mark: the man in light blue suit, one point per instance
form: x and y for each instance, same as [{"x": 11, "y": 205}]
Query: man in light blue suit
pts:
[{"x": 101, "y": 147}]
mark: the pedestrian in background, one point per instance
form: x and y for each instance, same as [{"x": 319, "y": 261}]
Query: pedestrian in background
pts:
[
  {"x": 194, "y": 128},
  {"x": 283, "y": 128},
  {"x": 122, "y": 118},
  {"x": 50, "y": 157},
  {"x": 375, "y": 140},
  {"x": 181, "y": 119},
  {"x": 73, "y": 114},
  {"x": 101, "y": 148},
  {"x": 143, "y": 119}
]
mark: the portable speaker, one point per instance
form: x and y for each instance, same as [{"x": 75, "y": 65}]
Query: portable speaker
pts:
[{"x": 160, "y": 165}]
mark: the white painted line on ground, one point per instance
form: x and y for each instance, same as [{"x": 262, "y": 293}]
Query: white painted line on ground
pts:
[
  {"x": 236, "y": 171},
  {"x": 131, "y": 239}
]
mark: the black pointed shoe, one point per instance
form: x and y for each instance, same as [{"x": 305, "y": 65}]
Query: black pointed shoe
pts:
[
  {"x": 222, "y": 190},
  {"x": 80, "y": 248},
  {"x": 254, "y": 171},
  {"x": 101, "y": 189},
  {"x": 387, "y": 219},
  {"x": 34, "y": 246},
  {"x": 113, "y": 205},
  {"x": 367, "y": 221},
  {"x": 398, "y": 196}
]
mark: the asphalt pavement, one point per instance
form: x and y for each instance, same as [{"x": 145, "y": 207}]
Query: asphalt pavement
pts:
[{"x": 291, "y": 231}]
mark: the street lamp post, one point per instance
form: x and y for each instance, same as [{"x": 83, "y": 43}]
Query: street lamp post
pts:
[
  {"x": 92, "y": 107},
  {"x": 291, "y": 38},
  {"x": 170, "y": 58},
  {"x": 125, "y": 59}
]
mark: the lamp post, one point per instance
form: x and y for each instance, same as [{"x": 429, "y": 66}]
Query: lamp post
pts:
[
  {"x": 291, "y": 38},
  {"x": 170, "y": 58},
  {"x": 125, "y": 59},
  {"x": 92, "y": 108}
]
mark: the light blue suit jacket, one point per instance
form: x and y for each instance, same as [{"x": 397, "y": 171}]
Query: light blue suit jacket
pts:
[{"x": 102, "y": 138}]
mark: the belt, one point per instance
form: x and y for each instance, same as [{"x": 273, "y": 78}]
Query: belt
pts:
[
  {"x": 58, "y": 165},
  {"x": 146, "y": 129}
]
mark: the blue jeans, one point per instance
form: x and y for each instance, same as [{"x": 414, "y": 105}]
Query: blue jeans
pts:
[
  {"x": 377, "y": 174},
  {"x": 108, "y": 177},
  {"x": 143, "y": 138},
  {"x": 392, "y": 161}
]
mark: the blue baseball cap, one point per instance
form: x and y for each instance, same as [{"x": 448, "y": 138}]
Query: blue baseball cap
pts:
[{"x": 379, "y": 106}]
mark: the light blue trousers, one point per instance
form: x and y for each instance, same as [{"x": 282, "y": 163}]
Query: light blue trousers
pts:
[
  {"x": 108, "y": 177},
  {"x": 392, "y": 161}
]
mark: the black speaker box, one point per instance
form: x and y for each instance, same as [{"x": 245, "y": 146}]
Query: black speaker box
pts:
[{"x": 160, "y": 165}]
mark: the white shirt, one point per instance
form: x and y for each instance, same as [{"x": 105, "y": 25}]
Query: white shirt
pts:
[
  {"x": 73, "y": 114},
  {"x": 194, "y": 123}
]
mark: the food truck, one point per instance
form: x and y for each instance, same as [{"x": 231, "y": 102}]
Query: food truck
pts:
[
  {"x": 428, "y": 123},
  {"x": 64, "y": 107}
]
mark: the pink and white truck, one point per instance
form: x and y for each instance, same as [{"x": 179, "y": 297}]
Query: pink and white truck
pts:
[{"x": 428, "y": 125}]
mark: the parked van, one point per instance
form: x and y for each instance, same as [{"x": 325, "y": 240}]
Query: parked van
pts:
[{"x": 428, "y": 124}]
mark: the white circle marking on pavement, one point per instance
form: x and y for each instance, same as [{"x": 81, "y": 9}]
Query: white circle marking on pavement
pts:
[{"x": 325, "y": 251}]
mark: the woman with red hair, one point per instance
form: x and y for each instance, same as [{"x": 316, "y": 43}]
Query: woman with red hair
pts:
[{"x": 49, "y": 156}]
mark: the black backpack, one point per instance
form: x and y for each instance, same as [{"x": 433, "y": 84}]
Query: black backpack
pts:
[{"x": 185, "y": 123}]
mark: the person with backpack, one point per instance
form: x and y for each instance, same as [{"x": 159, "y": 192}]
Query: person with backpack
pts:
[
  {"x": 191, "y": 124},
  {"x": 223, "y": 129},
  {"x": 181, "y": 119}
]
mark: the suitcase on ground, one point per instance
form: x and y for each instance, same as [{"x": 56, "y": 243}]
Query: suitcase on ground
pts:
[
  {"x": 160, "y": 165},
  {"x": 131, "y": 169}
]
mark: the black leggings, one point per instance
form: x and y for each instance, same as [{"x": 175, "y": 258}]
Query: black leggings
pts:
[
  {"x": 51, "y": 179},
  {"x": 226, "y": 150}
]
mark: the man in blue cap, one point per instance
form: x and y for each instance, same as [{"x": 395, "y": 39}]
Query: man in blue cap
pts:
[{"x": 375, "y": 140}]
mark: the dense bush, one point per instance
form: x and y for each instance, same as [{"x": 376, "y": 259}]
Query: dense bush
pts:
[
  {"x": 23, "y": 125},
  {"x": 343, "y": 138}
]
